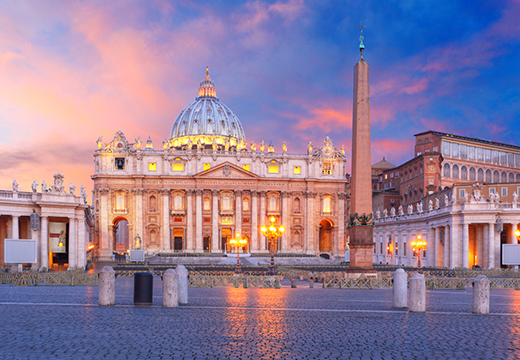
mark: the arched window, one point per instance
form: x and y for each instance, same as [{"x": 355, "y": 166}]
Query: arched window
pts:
[
  {"x": 153, "y": 203},
  {"x": 511, "y": 177},
  {"x": 226, "y": 203},
  {"x": 207, "y": 203},
  {"x": 503, "y": 178},
  {"x": 464, "y": 173},
  {"x": 272, "y": 203},
  {"x": 447, "y": 170},
  {"x": 480, "y": 175},
  {"x": 326, "y": 205},
  {"x": 496, "y": 177},
  {"x": 517, "y": 177},
  {"x": 455, "y": 172},
  {"x": 245, "y": 204},
  {"x": 296, "y": 204},
  {"x": 120, "y": 202},
  {"x": 472, "y": 174},
  {"x": 488, "y": 175},
  {"x": 177, "y": 202}
]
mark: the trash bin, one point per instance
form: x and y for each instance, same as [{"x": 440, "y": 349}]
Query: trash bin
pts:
[{"x": 143, "y": 289}]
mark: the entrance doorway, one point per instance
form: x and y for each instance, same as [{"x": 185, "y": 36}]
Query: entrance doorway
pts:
[
  {"x": 121, "y": 236},
  {"x": 326, "y": 236},
  {"x": 207, "y": 244},
  {"x": 225, "y": 236},
  {"x": 178, "y": 239}
]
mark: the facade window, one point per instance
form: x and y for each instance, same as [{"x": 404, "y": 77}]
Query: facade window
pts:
[
  {"x": 491, "y": 191},
  {"x": 296, "y": 205},
  {"x": 504, "y": 192},
  {"x": 496, "y": 156},
  {"x": 472, "y": 174},
  {"x": 206, "y": 166},
  {"x": 152, "y": 166},
  {"x": 207, "y": 203},
  {"x": 480, "y": 175},
  {"x": 518, "y": 179},
  {"x": 447, "y": 170},
  {"x": 426, "y": 141},
  {"x": 419, "y": 142},
  {"x": 326, "y": 205},
  {"x": 119, "y": 163},
  {"x": 464, "y": 173},
  {"x": 496, "y": 177},
  {"x": 245, "y": 204},
  {"x": 454, "y": 149},
  {"x": 446, "y": 148},
  {"x": 462, "y": 193},
  {"x": 471, "y": 152},
  {"x": 503, "y": 177},
  {"x": 503, "y": 158},
  {"x": 177, "y": 202},
  {"x": 488, "y": 175},
  {"x": 226, "y": 203},
  {"x": 246, "y": 167},
  {"x": 153, "y": 203},
  {"x": 297, "y": 170},
  {"x": 430, "y": 182},
  {"x": 120, "y": 202},
  {"x": 517, "y": 160},
  {"x": 178, "y": 167},
  {"x": 272, "y": 203},
  {"x": 418, "y": 153},
  {"x": 404, "y": 249},
  {"x": 327, "y": 169},
  {"x": 273, "y": 169},
  {"x": 455, "y": 171},
  {"x": 463, "y": 151},
  {"x": 510, "y": 159},
  {"x": 487, "y": 155},
  {"x": 480, "y": 154}
]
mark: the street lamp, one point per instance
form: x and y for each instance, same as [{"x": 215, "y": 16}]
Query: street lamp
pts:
[
  {"x": 517, "y": 234},
  {"x": 419, "y": 245},
  {"x": 272, "y": 233},
  {"x": 238, "y": 243}
]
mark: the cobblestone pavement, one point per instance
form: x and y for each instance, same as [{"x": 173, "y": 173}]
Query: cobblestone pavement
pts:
[{"x": 51, "y": 322}]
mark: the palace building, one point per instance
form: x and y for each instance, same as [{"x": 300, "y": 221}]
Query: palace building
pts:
[{"x": 205, "y": 183}]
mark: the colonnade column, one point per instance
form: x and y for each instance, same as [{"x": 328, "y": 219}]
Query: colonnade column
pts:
[
  {"x": 447, "y": 241},
  {"x": 465, "y": 246},
  {"x": 44, "y": 242},
  {"x": 16, "y": 227},
  {"x": 263, "y": 195},
  {"x": 254, "y": 221},
  {"x": 514, "y": 240},
  {"x": 310, "y": 223},
  {"x": 491, "y": 246},
  {"x": 430, "y": 250},
  {"x": 198, "y": 220},
  {"x": 189, "y": 222},
  {"x": 286, "y": 235},
  {"x": 105, "y": 250},
  {"x": 454, "y": 245},
  {"x": 497, "y": 244},
  {"x": 214, "y": 222},
  {"x": 81, "y": 261},
  {"x": 34, "y": 236},
  {"x": 72, "y": 243},
  {"x": 238, "y": 212},
  {"x": 165, "y": 243},
  {"x": 437, "y": 248}
]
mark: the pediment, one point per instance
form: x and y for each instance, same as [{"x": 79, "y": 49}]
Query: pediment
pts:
[{"x": 226, "y": 170}]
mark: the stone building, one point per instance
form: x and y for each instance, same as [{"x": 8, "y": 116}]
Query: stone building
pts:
[
  {"x": 59, "y": 223},
  {"x": 205, "y": 184}
]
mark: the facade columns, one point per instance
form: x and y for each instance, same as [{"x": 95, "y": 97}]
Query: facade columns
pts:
[
  {"x": 310, "y": 223},
  {"x": 491, "y": 246},
  {"x": 447, "y": 243},
  {"x": 214, "y": 222},
  {"x": 82, "y": 242},
  {"x": 198, "y": 220},
  {"x": 16, "y": 227},
  {"x": 454, "y": 246},
  {"x": 72, "y": 243},
  {"x": 254, "y": 221},
  {"x": 437, "y": 248},
  {"x": 44, "y": 242},
  {"x": 238, "y": 212},
  {"x": 263, "y": 195},
  {"x": 284, "y": 242},
  {"x": 165, "y": 243},
  {"x": 189, "y": 222},
  {"x": 105, "y": 246},
  {"x": 465, "y": 245},
  {"x": 430, "y": 250}
]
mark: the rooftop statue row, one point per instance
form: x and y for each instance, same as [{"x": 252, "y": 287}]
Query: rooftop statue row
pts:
[{"x": 56, "y": 189}]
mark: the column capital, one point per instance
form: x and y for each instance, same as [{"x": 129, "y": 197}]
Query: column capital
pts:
[
  {"x": 198, "y": 192},
  {"x": 254, "y": 193},
  {"x": 103, "y": 191},
  {"x": 164, "y": 191},
  {"x": 285, "y": 193},
  {"x": 189, "y": 192},
  {"x": 215, "y": 192},
  {"x": 238, "y": 193},
  {"x": 263, "y": 193},
  {"x": 342, "y": 195}
]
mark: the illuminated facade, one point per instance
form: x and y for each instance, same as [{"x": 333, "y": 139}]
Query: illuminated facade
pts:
[{"x": 206, "y": 183}]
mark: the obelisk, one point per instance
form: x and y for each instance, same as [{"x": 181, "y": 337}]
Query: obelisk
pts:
[{"x": 361, "y": 225}]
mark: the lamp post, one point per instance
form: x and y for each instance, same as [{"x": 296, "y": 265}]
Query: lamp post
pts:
[
  {"x": 272, "y": 233},
  {"x": 238, "y": 243},
  {"x": 419, "y": 245}
]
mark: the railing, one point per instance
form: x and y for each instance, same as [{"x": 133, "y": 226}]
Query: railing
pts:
[
  {"x": 69, "y": 278},
  {"x": 210, "y": 281}
]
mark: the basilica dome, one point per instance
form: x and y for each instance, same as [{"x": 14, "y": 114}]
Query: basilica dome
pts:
[{"x": 208, "y": 120}]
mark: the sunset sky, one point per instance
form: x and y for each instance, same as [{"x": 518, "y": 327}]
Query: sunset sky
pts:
[{"x": 72, "y": 71}]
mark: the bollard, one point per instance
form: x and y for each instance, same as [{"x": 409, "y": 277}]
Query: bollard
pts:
[
  {"x": 417, "y": 293},
  {"x": 182, "y": 273},
  {"x": 400, "y": 289},
  {"x": 481, "y": 295},
  {"x": 107, "y": 286},
  {"x": 170, "y": 291},
  {"x": 311, "y": 284},
  {"x": 293, "y": 283}
]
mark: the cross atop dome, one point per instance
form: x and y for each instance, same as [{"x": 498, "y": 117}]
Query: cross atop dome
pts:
[{"x": 207, "y": 88}]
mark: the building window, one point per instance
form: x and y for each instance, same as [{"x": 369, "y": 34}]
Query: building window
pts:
[
  {"x": 297, "y": 170},
  {"x": 511, "y": 177},
  {"x": 207, "y": 203},
  {"x": 510, "y": 159},
  {"x": 404, "y": 249},
  {"x": 496, "y": 156},
  {"x": 455, "y": 171},
  {"x": 226, "y": 203},
  {"x": 178, "y": 167},
  {"x": 496, "y": 177},
  {"x": 119, "y": 163},
  {"x": 177, "y": 202},
  {"x": 503, "y": 158},
  {"x": 296, "y": 205},
  {"x": 430, "y": 182},
  {"x": 462, "y": 193},
  {"x": 491, "y": 191},
  {"x": 488, "y": 175},
  {"x": 326, "y": 205},
  {"x": 273, "y": 169},
  {"x": 504, "y": 192},
  {"x": 152, "y": 166},
  {"x": 518, "y": 179},
  {"x": 454, "y": 149},
  {"x": 480, "y": 154},
  {"x": 426, "y": 141},
  {"x": 517, "y": 160},
  {"x": 327, "y": 169},
  {"x": 445, "y": 148},
  {"x": 480, "y": 175},
  {"x": 246, "y": 167},
  {"x": 447, "y": 170},
  {"x": 472, "y": 173},
  {"x": 272, "y": 203},
  {"x": 419, "y": 142},
  {"x": 245, "y": 204},
  {"x": 153, "y": 203},
  {"x": 503, "y": 178},
  {"x": 471, "y": 152},
  {"x": 463, "y": 151},
  {"x": 487, "y": 155},
  {"x": 120, "y": 202},
  {"x": 464, "y": 173},
  {"x": 206, "y": 166}
]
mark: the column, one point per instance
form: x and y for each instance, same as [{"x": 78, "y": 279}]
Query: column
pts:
[
  {"x": 254, "y": 221},
  {"x": 497, "y": 245},
  {"x": 341, "y": 224},
  {"x": 430, "y": 249},
  {"x": 447, "y": 241},
  {"x": 44, "y": 242},
  {"x": 214, "y": 222},
  {"x": 491, "y": 246},
  {"x": 34, "y": 236},
  {"x": 198, "y": 220},
  {"x": 284, "y": 239},
  {"x": 105, "y": 246},
  {"x": 16, "y": 227},
  {"x": 465, "y": 245},
  {"x": 514, "y": 240},
  {"x": 263, "y": 194},
  {"x": 437, "y": 248},
  {"x": 409, "y": 251},
  {"x": 165, "y": 243},
  {"x": 72, "y": 250},
  {"x": 454, "y": 240},
  {"x": 188, "y": 245},
  {"x": 238, "y": 212},
  {"x": 81, "y": 260},
  {"x": 310, "y": 223}
]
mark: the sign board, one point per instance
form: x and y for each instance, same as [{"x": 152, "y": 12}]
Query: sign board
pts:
[
  {"x": 35, "y": 221},
  {"x": 58, "y": 237},
  {"x": 136, "y": 255},
  {"x": 20, "y": 251},
  {"x": 510, "y": 254}
]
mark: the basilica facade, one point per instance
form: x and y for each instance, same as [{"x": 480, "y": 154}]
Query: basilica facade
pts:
[{"x": 205, "y": 184}]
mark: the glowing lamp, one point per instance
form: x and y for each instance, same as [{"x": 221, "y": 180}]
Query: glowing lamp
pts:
[
  {"x": 517, "y": 233},
  {"x": 272, "y": 219},
  {"x": 263, "y": 229}
]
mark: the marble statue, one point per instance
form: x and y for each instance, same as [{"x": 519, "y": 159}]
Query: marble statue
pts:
[
  {"x": 34, "y": 187},
  {"x": 83, "y": 194},
  {"x": 214, "y": 145},
  {"x": 437, "y": 204},
  {"x": 44, "y": 186},
  {"x": 477, "y": 192},
  {"x": 262, "y": 146},
  {"x": 378, "y": 214},
  {"x": 497, "y": 198},
  {"x": 410, "y": 209},
  {"x": 72, "y": 189},
  {"x": 446, "y": 200},
  {"x": 342, "y": 150},
  {"x": 284, "y": 147},
  {"x": 385, "y": 213},
  {"x": 253, "y": 146},
  {"x": 226, "y": 145},
  {"x": 189, "y": 144},
  {"x": 137, "y": 240},
  {"x": 515, "y": 197},
  {"x": 309, "y": 148},
  {"x": 467, "y": 198},
  {"x": 199, "y": 144},
  {"x": 58, "y": 183},
  {"x": 15, "y": 186},
  {"x": 401, "y": 212},
  {"x": 99, "y": 142},
  {"x": 430, "y": 205},
  {"x": 138, "y": 142},
  {"x": 419, "y": 207},
  {"x": 392, "y": 211}
]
